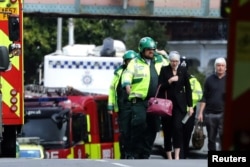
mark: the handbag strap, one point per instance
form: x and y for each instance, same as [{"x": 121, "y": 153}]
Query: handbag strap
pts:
[
  {"x": 156, "y": 94},
  {"x": 199, "y": 124}
]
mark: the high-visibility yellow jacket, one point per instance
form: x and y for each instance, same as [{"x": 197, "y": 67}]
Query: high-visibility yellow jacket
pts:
[
  {"x": 196, "y": 90},
  {"x": 112, "y": 99},
  {"x": 164, "y": 59},
  {"x": 137, "y": 75},
  {"x": 164, "y": 56}
]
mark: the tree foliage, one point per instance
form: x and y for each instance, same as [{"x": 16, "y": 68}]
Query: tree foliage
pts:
[
  {"x": 93, "y": 31},
  {"x": 40, "y": 38},
  {"x": 149, "y": 28}
]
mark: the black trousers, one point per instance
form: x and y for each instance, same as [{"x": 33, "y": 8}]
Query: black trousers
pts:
[
  {"x": 187, "y": 133},
  {"x": 144, "y": 128},
  {"x": 124, "y": 121},
  {"x": 173, "y": 130}
]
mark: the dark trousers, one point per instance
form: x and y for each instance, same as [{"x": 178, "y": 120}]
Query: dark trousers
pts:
[
  {"x": 153, "y": 126},
  {"x": 144, "y": 128},
  {"x": 173, "y": 130},
  {"x": 167, "y": 126},
  {"x": 214, "y": 125},
  {"x": 124, "y": 122},
  {"x": 187, "y": 133}
]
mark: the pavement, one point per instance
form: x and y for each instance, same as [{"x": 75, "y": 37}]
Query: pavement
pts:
[{"x": 158, "y": 151}]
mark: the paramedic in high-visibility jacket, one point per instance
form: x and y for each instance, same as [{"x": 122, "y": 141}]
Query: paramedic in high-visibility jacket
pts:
[
  {"x": 141, "y": 80},
  {"x": 117, "y": 102}
]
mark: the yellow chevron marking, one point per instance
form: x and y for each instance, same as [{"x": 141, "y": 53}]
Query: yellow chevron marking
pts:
[
  {"x": 6, "y": 42},
  {"x": 15, "y": 62},
  {"x": 6, "y": 95},
  {"x": 4, "y": 39}
]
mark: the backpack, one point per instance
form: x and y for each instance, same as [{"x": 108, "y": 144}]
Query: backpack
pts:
[{"x": 198, "y": 136}]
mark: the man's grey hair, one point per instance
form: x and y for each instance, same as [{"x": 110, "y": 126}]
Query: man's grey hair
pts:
[{"x": 220, "y": 60}]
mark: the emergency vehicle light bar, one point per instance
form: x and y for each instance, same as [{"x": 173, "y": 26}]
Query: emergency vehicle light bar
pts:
[
  {"x": 46, "y": 99},
  {"x": 28, "y": 140}
]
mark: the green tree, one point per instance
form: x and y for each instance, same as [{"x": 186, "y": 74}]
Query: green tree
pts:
[
  {"x": 93, "y": 31},
  {"x": 40, "y": 38},
  {"x": 143, "y": 28}
]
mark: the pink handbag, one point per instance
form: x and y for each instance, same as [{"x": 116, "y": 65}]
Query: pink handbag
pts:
[{"x": 160, "y": 106}]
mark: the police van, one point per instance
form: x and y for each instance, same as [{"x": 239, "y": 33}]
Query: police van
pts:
[{"x": 82, "y": 70}]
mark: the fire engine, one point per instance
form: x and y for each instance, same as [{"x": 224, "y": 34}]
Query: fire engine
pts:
[
  {"x": 11, "y": 75},
  {"x": 70, "y": 124}
]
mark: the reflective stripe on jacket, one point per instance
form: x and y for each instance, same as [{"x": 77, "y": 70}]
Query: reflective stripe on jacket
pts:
[
  {"x": 112, "y": 99},
  {"x": 137, "y": 75}
]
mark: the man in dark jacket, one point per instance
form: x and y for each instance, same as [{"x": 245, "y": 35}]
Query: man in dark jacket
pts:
[{"x": 212, "y": 103}]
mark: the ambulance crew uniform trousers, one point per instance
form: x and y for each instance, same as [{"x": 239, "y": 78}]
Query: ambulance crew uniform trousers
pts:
[
  {"x": 144, "y": 128},
  {"x": 138, "y": 127},
  {"x": 124, "y": 121},
  {"x": 153, "y": 126}
]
